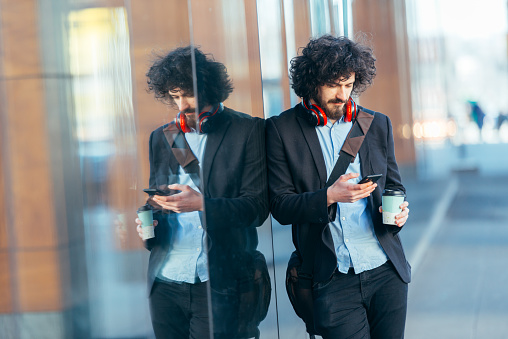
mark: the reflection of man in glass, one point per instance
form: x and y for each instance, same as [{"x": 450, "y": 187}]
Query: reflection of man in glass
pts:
[
  {"x": 360, "y": 273},
  {"x": 215, "y": 161}
]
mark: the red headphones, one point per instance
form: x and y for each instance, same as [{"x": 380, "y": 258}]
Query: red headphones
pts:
[
  {"x": 204, "y": 123},
  {"x": 317, "y": 117},
  {"x": 350, "y": 111}
]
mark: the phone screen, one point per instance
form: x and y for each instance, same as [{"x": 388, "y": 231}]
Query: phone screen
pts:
[
  {"x": 373, "y": 178},
  {"x": 155, "y": 191}
]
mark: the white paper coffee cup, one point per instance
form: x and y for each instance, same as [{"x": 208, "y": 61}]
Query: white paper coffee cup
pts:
[
  {"x": 145, "y": 214},
  {"x": 391, "y": 205}
]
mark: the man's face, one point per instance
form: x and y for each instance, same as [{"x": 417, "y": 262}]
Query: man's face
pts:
[
  {"x": 333, "y": 97},
  {"x": 186, "y": 104}
]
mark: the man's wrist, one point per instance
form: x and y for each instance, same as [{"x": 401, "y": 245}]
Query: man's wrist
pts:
[{"x": 329, "y": 199}]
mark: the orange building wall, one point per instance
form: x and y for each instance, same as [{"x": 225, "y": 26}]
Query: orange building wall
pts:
[
  {"x": 383, "y": 21},
  {"x": 33, "y": 244}
]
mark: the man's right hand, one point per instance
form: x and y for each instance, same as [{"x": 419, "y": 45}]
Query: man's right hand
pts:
[
  {"x": 344, "y": 191},
  {"x": 140, "y": 230}
]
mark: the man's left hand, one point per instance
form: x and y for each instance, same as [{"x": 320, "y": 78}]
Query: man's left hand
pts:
[
  {"x": 188, "y": 200},
  {"x": 401, "y": 218}
]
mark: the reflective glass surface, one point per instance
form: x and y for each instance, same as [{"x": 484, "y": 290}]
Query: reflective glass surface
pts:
[{"x": 83, "y": 131}]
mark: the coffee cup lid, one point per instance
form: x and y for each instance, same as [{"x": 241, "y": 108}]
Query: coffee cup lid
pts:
[
  {"x": 393, "y": 193},
  {"x": 145, "y": 208}
]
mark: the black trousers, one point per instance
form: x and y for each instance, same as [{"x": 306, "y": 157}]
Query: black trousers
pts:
[
  {"x": 371, "y": 304},
  {"x": 179, "y": 310}
]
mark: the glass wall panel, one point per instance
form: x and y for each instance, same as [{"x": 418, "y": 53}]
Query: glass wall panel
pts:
[
  {"x": 100, "y": 66},
  {"x": 233, "y": 171},
  {"x": 320, "y": 17},
  {"x": 77, "y": 268},
  {"x": 272, "y": 52}
]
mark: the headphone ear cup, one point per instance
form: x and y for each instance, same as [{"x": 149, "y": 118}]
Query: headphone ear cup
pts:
[
  {"x": 206, "y": 120},
  {"x": 205, "y": 124},
  {"x": 316, "y": 116},
  {"x": 350, "y": 110},
  {"x": 349, "y": 113},
  {"x": 181, "y": 122},
  {"x": 322, "y": 118},
  {"x": 312, "y": 117},
  {"x": 177, "y": 122}
]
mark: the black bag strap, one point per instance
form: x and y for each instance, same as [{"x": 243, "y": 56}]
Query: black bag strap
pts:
[
  {"x": 352, "y": 144},
  {"x": 347, "y": 155}
]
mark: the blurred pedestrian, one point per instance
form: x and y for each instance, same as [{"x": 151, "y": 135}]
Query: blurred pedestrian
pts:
[{"x": 477, "y": 114}]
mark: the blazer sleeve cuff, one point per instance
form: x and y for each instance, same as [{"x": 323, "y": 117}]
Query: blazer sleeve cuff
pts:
[
  {"x": 325, "y": 213},
  {"x": 332, "y": 212}
]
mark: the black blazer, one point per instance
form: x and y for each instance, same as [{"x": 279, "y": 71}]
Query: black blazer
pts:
[
  {"x": 297, "y": 177},
  {"x": 234, "y": 187}
]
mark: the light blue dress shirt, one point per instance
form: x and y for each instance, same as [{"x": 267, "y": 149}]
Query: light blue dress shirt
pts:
[
  {"x": 355, "y": 241},
  {"x": 187, "y": 259}
]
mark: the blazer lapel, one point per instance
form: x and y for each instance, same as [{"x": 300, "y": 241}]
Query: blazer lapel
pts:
[
  {"x": 178, "y": 144},
  {"x": 214, "y": 140},
  {"x": 311, "y": 137},
  {"x": 357, "y": 133},
  {"x": 168, "y": 141}
]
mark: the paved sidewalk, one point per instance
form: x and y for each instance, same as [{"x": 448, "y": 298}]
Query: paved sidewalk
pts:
[{"x": 460, "y": 288}]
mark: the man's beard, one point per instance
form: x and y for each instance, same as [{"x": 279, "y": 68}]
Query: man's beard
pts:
[{"x": 334, "y": 113}]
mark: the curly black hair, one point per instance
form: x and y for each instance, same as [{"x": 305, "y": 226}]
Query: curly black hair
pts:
[
  {"x": 173, "y": 71},
  {"x": 327, "y": 59}
]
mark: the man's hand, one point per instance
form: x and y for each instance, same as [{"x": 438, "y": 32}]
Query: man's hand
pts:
[
  {"x": 343, "y": 191},
  {"x": 401, "y": 218},
  {"x": 140, "y": 230},
  {"x": 188, "y": 200}
]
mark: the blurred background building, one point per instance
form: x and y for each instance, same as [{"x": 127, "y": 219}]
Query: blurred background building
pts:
[{"x": 75, "y": 121}]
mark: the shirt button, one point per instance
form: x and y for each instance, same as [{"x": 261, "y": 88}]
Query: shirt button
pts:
[
  {"x": 197, "y": 249},
  {"x": 343, "y": 218},
  {"x": 200, "y": 227},
  {"x": 347, "y": 240}
]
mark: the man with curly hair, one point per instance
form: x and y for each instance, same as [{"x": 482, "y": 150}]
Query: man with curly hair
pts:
[
  {"x": 213, "y": 158},
  {"x": 360, "y": 273}
]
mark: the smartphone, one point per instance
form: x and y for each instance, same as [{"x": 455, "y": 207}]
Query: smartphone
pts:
[
  {"x": 372, "y": 178},
  {"x": 156, "y": 191}
]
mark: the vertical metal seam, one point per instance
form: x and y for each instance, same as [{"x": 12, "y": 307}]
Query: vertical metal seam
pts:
[{"x": 345, "y": 17}]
